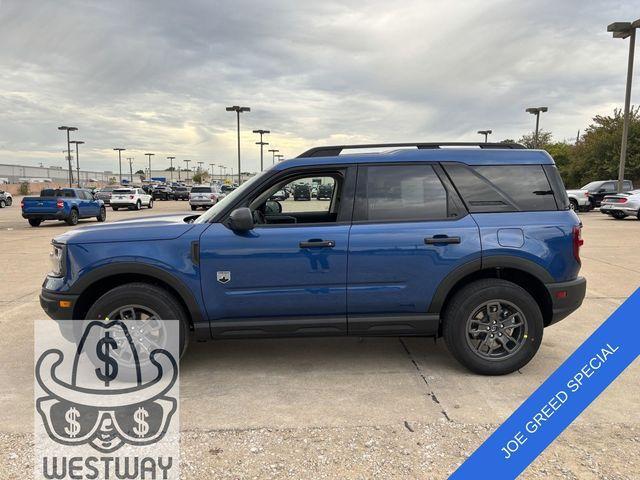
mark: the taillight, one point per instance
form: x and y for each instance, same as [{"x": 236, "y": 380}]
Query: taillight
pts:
[
  {"x": 131, "y": 197},
  {"x": 60, "y": 204},
  {"x": 577, "y": 242},
  {"x": 586, "y": 194},
  {"x": 213, "y": 197},
  {"x": 619, "y": 200},
  {"x": 21, "y": 204}
]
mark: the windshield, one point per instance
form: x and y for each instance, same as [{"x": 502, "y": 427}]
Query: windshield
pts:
[
  {"x": 230, "y": 198},
  {"x": 590, "y": 185}
]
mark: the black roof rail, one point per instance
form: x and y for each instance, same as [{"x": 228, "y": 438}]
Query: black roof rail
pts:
[{"x": 335, "y": 150}]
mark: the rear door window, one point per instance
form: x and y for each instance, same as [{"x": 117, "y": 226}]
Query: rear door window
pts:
[
  {"x": 402, "y": 193},
  {"x": 503, "y": 188}
]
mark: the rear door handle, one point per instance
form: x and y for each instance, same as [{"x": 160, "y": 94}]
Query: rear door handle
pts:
[
  {"x": 318, "y": 244},
  {"x": 441, "y": 239}
]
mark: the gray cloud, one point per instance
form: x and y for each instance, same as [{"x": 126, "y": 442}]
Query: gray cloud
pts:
[{"x": 156, "y": 76}]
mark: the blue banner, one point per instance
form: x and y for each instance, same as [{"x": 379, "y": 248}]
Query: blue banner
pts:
[{"x": 560, "y": 399}]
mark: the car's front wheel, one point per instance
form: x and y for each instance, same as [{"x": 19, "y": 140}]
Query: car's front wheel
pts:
[
  {"x": 493, "y": 327},
  {"x": 144, "y": 302},
  {"x": 35, "y": 222},
  {"x": 150, "y": 203},
  {"x": 3, "y": 203},
  {"x": 102, "y": 216}
]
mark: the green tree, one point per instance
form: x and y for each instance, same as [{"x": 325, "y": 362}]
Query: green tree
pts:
[{"x": 529, "y": 140}]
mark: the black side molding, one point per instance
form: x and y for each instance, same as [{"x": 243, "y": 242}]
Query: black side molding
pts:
[{"x": 195, "y": 252}]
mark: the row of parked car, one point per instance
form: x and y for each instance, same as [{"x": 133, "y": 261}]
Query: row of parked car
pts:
[
  {"x": 6, "y": 200},
  {"x": 603, "y": 194}
]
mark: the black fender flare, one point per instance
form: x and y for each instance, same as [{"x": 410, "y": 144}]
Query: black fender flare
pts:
[
  {"x": 200, "y": 323},
  {"x": 485, "y": 263}
]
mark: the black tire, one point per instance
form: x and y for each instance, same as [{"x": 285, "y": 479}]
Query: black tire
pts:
[
  {"x": 35, "y": 222},
  {"x": 618, "y": 215},
  {"x": 9, "y": 202},
  {"x": 145, "y": 295},
  {"x": 460, "y": 311},
  {"x": 194, "y": 208},
  {"x": 3, "y": 203},
  {"x": 574, "y": 205},
  {"x": 102, "y": 216},
  {"x": 138, "y": 205},
  {"x": 73, "y": 217},
  {"x": 115, "y": 209},
  {"x": 150, "y": 206}
]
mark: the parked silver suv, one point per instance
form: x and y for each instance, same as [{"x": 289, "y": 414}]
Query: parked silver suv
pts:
[{"x": 204, "y": 196}]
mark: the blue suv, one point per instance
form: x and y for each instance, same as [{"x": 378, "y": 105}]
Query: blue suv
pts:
[{"x": 475, "y": 243}]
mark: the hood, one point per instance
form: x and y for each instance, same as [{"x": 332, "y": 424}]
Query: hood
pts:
[{"x": 164, "y": 227}]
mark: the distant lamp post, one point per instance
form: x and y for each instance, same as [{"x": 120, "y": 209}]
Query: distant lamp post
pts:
[
  {"x": 238, "y": 111},
  {"x": 274, "y": 151},
  {"x": 149, "y": 155},
  {"x": 624, "y": 30},
  {"x": 130, "y": 169},
  {"x": 200, "y": 166},
  {"x": 171, "y": 167},
  {"x": 486, "y": 134},
  {"x": 262, "y": 144},
  {"x": 187, "y": 169},
  {"x": 77, "y": 142},
  {"x": 212, "y": 171},
  {"x": 120, "y": 150},
  {"x": 69, "y": 129},
  {"x": 536, "y": 111},
  {"x": 279, "y": 157}
]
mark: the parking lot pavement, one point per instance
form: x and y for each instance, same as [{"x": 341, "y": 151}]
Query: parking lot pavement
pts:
[{"x": 349, "y": 407}]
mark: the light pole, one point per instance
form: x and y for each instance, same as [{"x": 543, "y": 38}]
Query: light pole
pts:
[
  {"x": 149, "y": 155},
  {"x": 262, "y": 144},
  {"x": 171, "y": 168},
  {"x": 624, "y": 30},
  {"x": 77, "y": 142},
  {"x": 120, "y": 150},
  {"x": 536, "y": 111},
  {"x": 69, "y": 129},
  {"x": 273, "y": 151},
  {"x": 200, "y": 166},
  {"x": 179, "y": 179},
  {"x": 130, "y": 169},
  {"x": 238, "y": 110},
  {"x": 186, "y": 169},
  {"x": 212, "y": 171},
  {"x": 486, "y": 133},
  {"x": 279, "y": 157}
]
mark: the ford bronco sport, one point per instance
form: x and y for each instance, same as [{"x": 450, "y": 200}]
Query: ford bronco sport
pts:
[{"x": 475, "y": 243}]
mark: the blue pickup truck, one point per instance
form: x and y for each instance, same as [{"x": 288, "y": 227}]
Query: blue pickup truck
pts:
[
  {"x": 473, "y": 243},
  {"x": 64, "y": 204}
]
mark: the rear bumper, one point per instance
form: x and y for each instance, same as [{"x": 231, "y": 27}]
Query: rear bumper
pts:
[
  {"x": 59, "y": 215},
  {"x": 608, "y": 208},
  {"x": 566, "y": 297}
]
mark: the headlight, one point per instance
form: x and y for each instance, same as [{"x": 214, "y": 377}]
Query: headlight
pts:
[{"x": 57, "y": 260}]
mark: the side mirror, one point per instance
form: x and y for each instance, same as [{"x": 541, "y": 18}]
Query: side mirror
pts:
[
  {"x": 241, "y": 220},
  {"x": 272, "y": 207}
]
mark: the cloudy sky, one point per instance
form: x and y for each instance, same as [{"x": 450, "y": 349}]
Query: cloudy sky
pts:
[{"x": 156, "y": 75}]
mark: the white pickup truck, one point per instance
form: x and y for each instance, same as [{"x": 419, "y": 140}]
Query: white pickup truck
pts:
[{"x": 579, "y": 200}]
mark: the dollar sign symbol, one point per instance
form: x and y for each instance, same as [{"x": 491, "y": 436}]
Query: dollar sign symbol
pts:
[
  {"x": 110, "y": 364},
  {"x": 142, "y": 427},
  {"x": 74, "y": 426}
]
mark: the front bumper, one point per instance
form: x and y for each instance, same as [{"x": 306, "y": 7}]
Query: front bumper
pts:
[
  {"x": 58, "y": 306},
  {"x": 566, "y": 297}
]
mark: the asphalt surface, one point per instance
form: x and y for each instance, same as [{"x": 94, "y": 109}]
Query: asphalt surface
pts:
[{"x": 344, "y": 407}]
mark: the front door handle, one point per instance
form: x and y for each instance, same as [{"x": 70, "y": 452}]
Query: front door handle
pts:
[
  {"x": 441, "y": 239},
  {"x": 318, "y": 244}
]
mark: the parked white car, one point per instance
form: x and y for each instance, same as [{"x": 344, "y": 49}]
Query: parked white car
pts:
[
  {"x": 204, "y": 196},
  {"x": 6, "y": 196},
  {"x": 132, "y": 198},
  {"x": 622, "y": 205},
  {"x": 579, "y": 200}
]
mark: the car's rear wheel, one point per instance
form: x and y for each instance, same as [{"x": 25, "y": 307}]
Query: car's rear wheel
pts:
[
  {"x": 115, "y": 209},
  {"x": 9, "y": 202},
  {"x": 573, "y": 204},
  {"x": 35, "y": 222},
  {"x": 138, "y": 205},
  {"x": 145, "y": 302},
  {"x": 102, "y": 216},
  {"x": 3, "y": 203},
  {"x": 193, "y": 207},
  {"x": 493, "y": 327},
  {"x": 618, "y": 215},
  {"x": 150, "y": 203},
  {"x": 73, "y": 217}
]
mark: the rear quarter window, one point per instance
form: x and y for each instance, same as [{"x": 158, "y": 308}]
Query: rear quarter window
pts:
[{"x": 504, "y": 188}]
